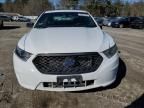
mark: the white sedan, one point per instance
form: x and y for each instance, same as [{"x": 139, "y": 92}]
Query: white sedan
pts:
[{"x": 66, "y": 50}]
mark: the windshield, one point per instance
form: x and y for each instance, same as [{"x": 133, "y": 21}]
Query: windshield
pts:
[{"x": 65, "y": 19}]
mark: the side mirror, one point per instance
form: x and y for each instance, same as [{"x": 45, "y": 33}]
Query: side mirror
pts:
[
  {"x": 30, "y": 24},
  {"x": 101, "y": 26}
]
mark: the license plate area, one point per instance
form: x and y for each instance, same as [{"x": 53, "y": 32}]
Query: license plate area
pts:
[{"x": 70, "y": 81}]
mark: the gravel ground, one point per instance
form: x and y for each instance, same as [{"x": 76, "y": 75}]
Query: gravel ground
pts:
[{"x": 128, "y": 91}]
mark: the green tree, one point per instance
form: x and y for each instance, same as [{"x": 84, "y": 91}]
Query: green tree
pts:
[
  {"x": 119, "y": 7},
  {"x": 100, "y": 7},
  {"x": 18, "y": 6}
]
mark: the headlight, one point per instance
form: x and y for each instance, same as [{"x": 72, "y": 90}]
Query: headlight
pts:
[
  {"x": 111, "y": 51},
  {"x": 22, "y": 54}
]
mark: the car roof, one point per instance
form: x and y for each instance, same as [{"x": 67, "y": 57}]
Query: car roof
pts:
[{"x": 52, "y": 11}]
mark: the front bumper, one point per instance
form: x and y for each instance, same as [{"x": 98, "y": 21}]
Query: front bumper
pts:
[
  {"x": 29, "y": 77},
  {"x": 116, "y": 25}
]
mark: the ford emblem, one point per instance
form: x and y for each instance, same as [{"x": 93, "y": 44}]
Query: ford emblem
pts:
[{"x": 69, "y": 62}]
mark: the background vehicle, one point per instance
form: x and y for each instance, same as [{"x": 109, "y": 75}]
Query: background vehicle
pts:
[
  {"x": 138, "y": 23},
  {"x": 111, "y": 19},
  {"x": 5, "y": 18},
  {"x": 23, "y": 19},
  {"x": 1, "y": 23},
  {"x": 123, "y": 22},
  {"x": 107, "y": 21},
  {"x": 14, "y": 18},
  {"x": 99, "y": 20}
]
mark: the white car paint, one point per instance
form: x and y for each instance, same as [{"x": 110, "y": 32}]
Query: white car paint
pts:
[{"x": 65, "y": 40}]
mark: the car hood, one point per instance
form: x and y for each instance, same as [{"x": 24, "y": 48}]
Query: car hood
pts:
[{"x": 64, "y": 40}]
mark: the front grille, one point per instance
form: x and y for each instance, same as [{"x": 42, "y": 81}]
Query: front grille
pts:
[{"x": 66, "y": 64}]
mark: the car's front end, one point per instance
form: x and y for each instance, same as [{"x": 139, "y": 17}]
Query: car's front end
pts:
[
  {"x": 66, "y": 59},
  {"x": 31, "y": 75},
  {"x": 115, "y": 24}
]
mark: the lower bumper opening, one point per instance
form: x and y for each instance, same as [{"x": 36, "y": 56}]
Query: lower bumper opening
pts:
[{"x": 68, "y": 84}]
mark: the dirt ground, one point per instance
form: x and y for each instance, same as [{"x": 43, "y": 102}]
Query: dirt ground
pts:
[{"x": 128, "y": 91}]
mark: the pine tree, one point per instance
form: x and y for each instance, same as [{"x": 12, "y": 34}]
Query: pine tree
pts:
[
  {"x": 8, "y": 6},
  {"x": 1, "y": 7},
  {"x": 35, "y": 8},
  {"x": 69, "y": 4}
]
